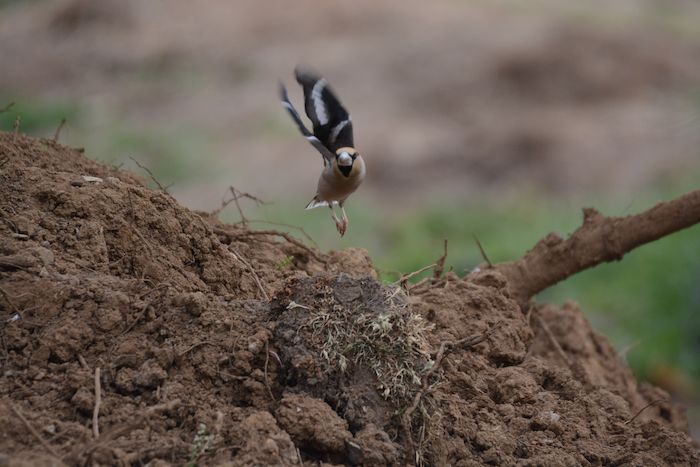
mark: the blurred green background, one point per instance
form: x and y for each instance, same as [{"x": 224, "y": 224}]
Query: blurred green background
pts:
[{"x": 499, "y": 120}]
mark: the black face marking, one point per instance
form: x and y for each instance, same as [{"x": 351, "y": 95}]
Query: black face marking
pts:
[{"x": 345, "y": 169}]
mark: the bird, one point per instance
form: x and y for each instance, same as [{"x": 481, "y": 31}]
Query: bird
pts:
[{"x": 343, "y": 166}]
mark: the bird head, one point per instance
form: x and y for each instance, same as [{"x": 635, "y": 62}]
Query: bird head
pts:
[{"x": 345, "y": 157}]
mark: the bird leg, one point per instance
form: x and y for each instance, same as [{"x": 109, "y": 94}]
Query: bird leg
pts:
[
  {"x": 346, "y": 222},
  {"x": 338, "y": 224}
]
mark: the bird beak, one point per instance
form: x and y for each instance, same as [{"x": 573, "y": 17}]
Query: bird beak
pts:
[{"x": 344, "y": 160}]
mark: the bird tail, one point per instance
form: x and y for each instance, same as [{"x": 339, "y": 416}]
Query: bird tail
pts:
[{"x": 316, "y": 203}]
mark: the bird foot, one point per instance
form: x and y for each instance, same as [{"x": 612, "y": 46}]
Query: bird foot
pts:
[{"x": 342, "y": 226}]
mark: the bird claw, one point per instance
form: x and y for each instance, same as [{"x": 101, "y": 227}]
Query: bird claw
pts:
[{"x": 342, "y": 227}]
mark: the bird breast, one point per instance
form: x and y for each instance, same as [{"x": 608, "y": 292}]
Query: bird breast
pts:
[{"x": 334, "y": 186}]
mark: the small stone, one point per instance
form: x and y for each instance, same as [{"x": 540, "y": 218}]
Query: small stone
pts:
[
  {"x": 83, "y": 400},
  {"x": 150, "y": 375},
  {"x": 355, "y": 453},
  {"x": 547, "y": 420},
  {"x": 23, "y": 225},
  {"x": 45, "y": 255}
]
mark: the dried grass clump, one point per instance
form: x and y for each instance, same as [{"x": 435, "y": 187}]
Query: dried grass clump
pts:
[{"x": 391, "y": 342}]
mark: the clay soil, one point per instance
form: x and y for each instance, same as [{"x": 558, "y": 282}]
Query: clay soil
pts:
[{"x": 217, "y": 345}]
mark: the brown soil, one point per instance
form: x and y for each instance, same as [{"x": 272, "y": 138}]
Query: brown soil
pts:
[{"x": 197, "y": 366}]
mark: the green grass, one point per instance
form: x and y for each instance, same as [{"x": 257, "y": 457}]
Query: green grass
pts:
[
  {"x": 38, "y": 117},
  {"x": 170, "y": 154}
]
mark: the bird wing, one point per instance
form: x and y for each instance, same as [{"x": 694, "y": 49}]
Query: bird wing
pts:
[
  {"x": 332, "y": 123},
  {"x": 328, "y": 156}
]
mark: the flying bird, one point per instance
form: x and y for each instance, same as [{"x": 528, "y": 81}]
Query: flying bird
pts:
[{"x": 343, "y": 167}]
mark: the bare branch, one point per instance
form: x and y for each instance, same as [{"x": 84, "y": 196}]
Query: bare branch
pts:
[
  {"x": 600, "y": 239},
  {"x": 235, "y": 196},
  {"x": 15, "y": 127},
  {"x": 7, "y": 107},
  {"x": 153, "y": 177},
  {"x": 58, "y": 130},
  {"x": 403, "y": 280},
  {"x": 483, "y": 252},
  {"x": 440, "y": 263}
]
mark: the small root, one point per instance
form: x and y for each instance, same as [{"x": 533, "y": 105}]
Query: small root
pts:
[
  {"x": 553, "y": 340},
  {"x": 242, "y": 234},
  {"x": 32, "y": 430},
  {"x": 98, "y": 401},
  {"x": 267, "y": 361},
  {"x": 643, "y": 409},
  {"x": 240, "y": 258}
]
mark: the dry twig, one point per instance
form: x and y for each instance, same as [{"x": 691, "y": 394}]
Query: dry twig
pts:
[
  {"x": 552, "y": 339},
  {"x": 403, "y": 280},
  {"x": 7, "y": 107},
  {"x": 639, "y": 412},
  {"x": 58, "y": 130},
  {"x": 440, "y": 263},
  {"x": 150, "y": 174},
  {"x": 240, "y": 258},
  {"x": 122, "y": 430},
  {"x": 32, "y": 430},
  {"x": 138, "y": 318},
  {"x": 194, "y": 346},
  {"x": 235, "y": 196},
  {"x": 83, "y": 363},
  {"x": 15, "y": 127},
  {"x": 284, "y": 235},
  {"x": 483, "y": 252},
  {"x": 282, "y": 224},
  {"x": 98, "y": 401},
  {"x": 267, "y": 361}
]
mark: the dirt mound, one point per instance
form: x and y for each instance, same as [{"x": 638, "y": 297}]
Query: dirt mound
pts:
[{"x": 219, "y": 345}]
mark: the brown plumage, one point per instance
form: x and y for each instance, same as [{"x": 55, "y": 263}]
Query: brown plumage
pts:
[{"x": 343, "y": 167}]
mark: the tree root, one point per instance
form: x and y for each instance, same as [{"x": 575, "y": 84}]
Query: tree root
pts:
[{"x": 600, "y": 239}]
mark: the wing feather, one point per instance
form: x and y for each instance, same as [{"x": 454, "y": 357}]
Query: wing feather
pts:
[
  {"x": 327, "y": 155},
  {"x": 332, "y": 124}
]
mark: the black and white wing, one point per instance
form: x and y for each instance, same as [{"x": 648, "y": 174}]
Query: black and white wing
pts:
[
  {"x": 327, "y": 154},
  {"x": 332, "y": 123}
]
